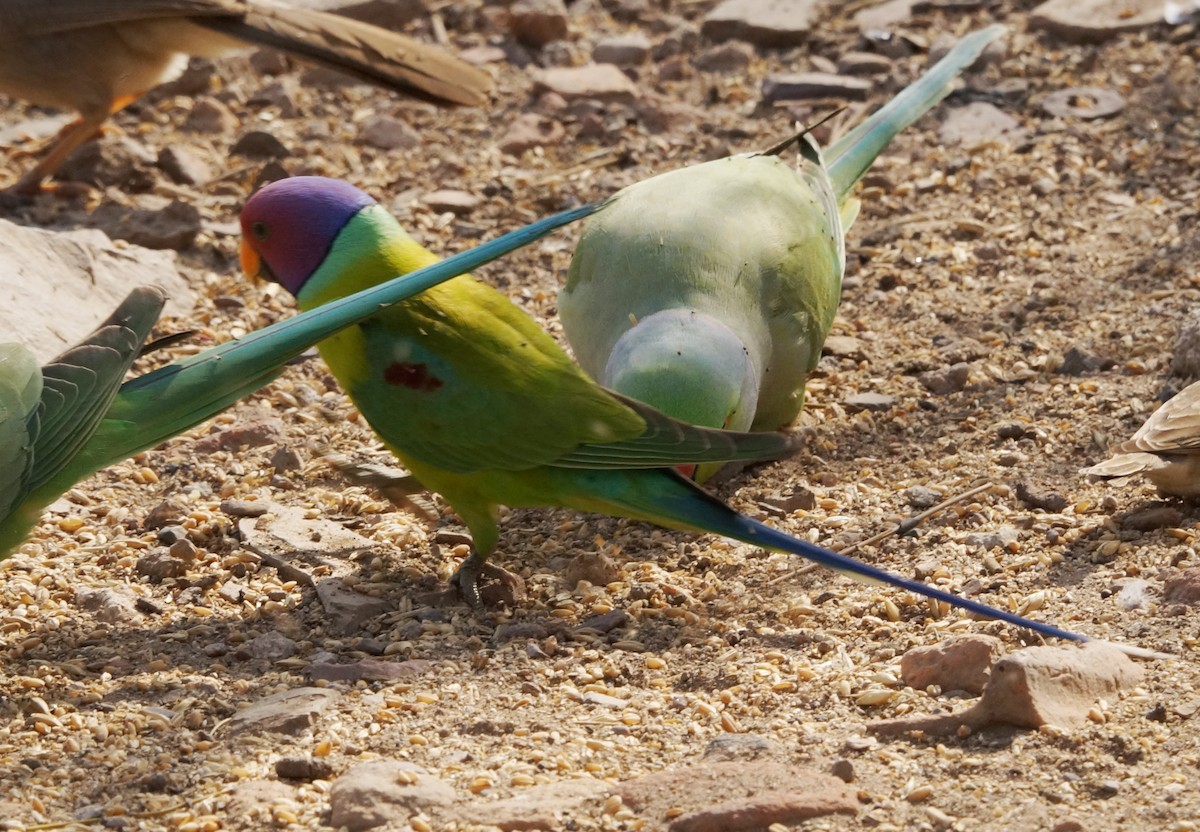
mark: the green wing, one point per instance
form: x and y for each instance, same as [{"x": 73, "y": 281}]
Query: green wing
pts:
[
  {"x": 76, "y": 389},
  {"x": 20, "y": 391},
  {"x": 463, "y": 355}
]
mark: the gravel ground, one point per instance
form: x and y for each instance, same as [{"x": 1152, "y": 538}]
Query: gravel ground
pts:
[{"x": 1056, "y": 260}]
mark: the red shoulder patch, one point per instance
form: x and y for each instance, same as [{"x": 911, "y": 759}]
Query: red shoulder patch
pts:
[{"x": 412, "y": 376}]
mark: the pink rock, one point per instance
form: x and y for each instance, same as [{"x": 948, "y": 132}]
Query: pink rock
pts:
[
  {"x": 537, "y": 22},
  {"x": 1183, "y": 587},
  {"x": 1034, "y": 687},
  {"x": 762, "y": 22},
  {"x": 728, "y": 796},
  {"x": 454, "y": 202},
  {"x": 541, "y": 807},
  {"x": 962, "y": 663},
  {"x": 529, "y": 130},
  {"x": 1093, "y": 21},
  {"x": 244, "y": 435},
  {"x": 373, "y": 794},
  {"x": 603, "y": 81}
]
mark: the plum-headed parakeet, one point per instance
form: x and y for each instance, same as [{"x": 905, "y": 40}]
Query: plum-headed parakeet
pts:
[
  {"x": 708, "y": 291},
  {"x": 62, "y": 422},
  {"x": 484, "y": 408}
]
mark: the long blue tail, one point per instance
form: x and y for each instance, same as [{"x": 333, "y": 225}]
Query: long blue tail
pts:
[{"x": 669, "y": 499}]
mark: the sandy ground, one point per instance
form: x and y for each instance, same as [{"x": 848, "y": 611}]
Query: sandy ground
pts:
[{"x": 1005, "y": 254}]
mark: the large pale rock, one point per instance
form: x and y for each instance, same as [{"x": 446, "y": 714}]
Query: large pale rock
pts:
[
  {"x": 728, "y": 796},
  {"x": 762, "y": 22},
  {"x": 1035, "y": 687},
  {"x": 386, "y": 792},
  {"x": 1093, "y": 21},
  {"x": 56, "y": 286}
]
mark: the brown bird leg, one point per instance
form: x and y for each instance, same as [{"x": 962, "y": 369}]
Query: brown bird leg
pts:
[{"x": 71, "y": 137}]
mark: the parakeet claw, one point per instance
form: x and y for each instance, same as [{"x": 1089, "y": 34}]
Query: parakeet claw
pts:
[{"x": 483, "y": 584}]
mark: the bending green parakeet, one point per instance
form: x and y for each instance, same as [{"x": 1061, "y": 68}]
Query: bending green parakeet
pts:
[
  {"x": 63, "y": 422},
  {"x": 48, "y": 413},
  {"x": 708, "y": 291},
  {"x": 484, "y": 408}
]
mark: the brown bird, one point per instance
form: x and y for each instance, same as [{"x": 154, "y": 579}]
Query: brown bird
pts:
[
  {"x": 1166, "y": 449},
  {"x": 97, "y": 56}
]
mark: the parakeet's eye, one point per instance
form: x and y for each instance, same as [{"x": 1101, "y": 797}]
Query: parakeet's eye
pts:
[{"x": 260, "y": 230}]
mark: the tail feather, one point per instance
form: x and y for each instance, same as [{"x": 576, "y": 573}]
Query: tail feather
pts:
[
  {"x": 671, "y": 500},
  {"x": 362, "y": 50},
  {"x": 152, "y": 408},
  {"x": 850, "y": 156}
]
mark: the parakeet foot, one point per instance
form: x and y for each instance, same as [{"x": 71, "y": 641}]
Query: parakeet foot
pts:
[{"x": 483, "y": 584}]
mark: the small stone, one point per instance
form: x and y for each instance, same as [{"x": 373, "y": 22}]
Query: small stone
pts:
[
  {"x": 548, "y": 806},
  {"x": 803, "y": 86},
  {"x": 303, "y": 768},
  {"x": 246, "y": 435},
  {"x": 883, "y": 17},
  {"x": 290, "y": 712},
  {"x": 594, "y": 567},
  {"x": 173, "y": 227},
  {"x": 385, "y": 792},
  {"x": 1084, "y": 102},
  {"x": 369, "y": 670},
  {"x": 388, "y": 133},
  {"x": 458, "y": 203},
  {"x": 958, "y": 663},
  {"x": 605, "y": 622},
  {"x": 169, "y": 535},
  {"x": 538, "y": 22},
  {"x": 1068, "y": 825},
  {"x": 1183, "y": 587},
  {"x": 258, "y": 144},
  {"x": 1094, "y": 21},
  {"x": 843, "y": 770},
  {"x": 843, "y": 346},
  {"x": 622, "y": 50},
  {"x": 762, "y": 22},
  {"x": 211, "y": 117},
  {"x": 920, "y": 497},
  {"x": 244, "y": 508},
  {"x": 184, "y": 550},
  {"x": 732, "y": 56},
  {"x": 864, "y": 63},
  {"x": 600, "y": 81},
  {"x": 716, "y": 796},
  {"x": 729, "y": 747},
  {"x": 183, "y": 166},
  {"x": 519, "y": 630},
  {"x": 269, "y": 62},
  {"x": 979, "y": 122},
  {"x": 530, "y": 130},
  {"x": 1050, "y": 501},
  {"x": 272, "y": 646},
  {"x": 108, "y": 605},
  {"x": 875, "y": 402},
  {"x": 798, "y": 499},
  {"x": 1076, "y": 363},
  {"x": 158, "y": 566},
  {"x": 346, "y": 609},
  {"x": 286, "y": 460},
  {"x": 946, "y": 380},
  {"x": 998, "y": 539},
  {"x": 166, "y": 513},
  {"x": 1149, "y": 519}
]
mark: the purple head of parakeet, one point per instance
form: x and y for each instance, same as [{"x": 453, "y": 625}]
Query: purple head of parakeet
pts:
[{"x": 288, "y": 227}]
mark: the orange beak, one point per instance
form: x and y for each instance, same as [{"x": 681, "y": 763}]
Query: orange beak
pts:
[{"x": 251, "y": 262}]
